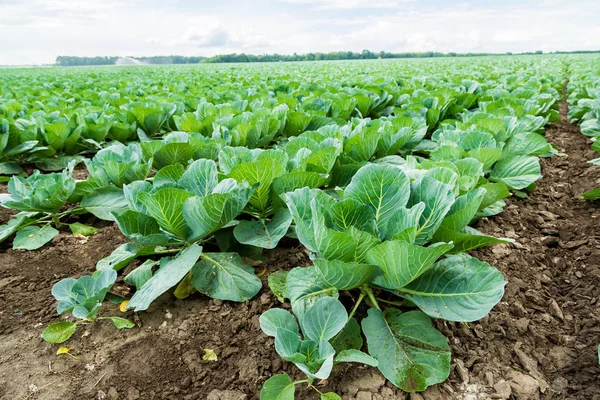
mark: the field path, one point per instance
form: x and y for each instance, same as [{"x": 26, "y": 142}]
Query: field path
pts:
[{"x": 542, "y": 339}]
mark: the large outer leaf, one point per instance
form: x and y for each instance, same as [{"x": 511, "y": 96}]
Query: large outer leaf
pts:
[
  {"x": 123, "y": 255},
  {"x": 349, "y": 337},
  {"x": 59, "y": 332},
  {"x": 262, "y": 172},
  {"x": 204, "y": 215},
  {"x": 33, "y": 237},
  {"x": 14, "y": 224},
  {"x": 404, "y": 223},
  {"x": 168, "y": 176},
  {"x": 527, "y": 144},
  {"x": 458, "y": 288},
  {"x": 278, "y": 387},
  {"x": 165, "y": 206},
  {"x": 334, "y": 245},
  {"x": 402, "y": 262},
  {"x": 382, "y": 187},
  {"x": 264, "y": 234},
  {"x": 173, "y": 153},
  {"x": 463, "y": 210},
  {"x": 493, "y": 193},
  {"x": 438, "y": 198},
  {"x": 103, "y": 202},
  {"x": 131, "y": 193},
  {"x": 356, "y": 356},
  {"x": 410, "y": 352},
  {"x": 348, "y": 212},
  {"x": 305, "y": 287},
  {"x": 275, "y": 318},
  {"x": 467, "y": 239},
  {"x": 306, "y": 205},
  {"x": 171, "y": 271},
  {"x": 200, "y": 177},
  {"x": 224, "y": 276},
  {"x": 292, "y": 181},
  {"x": 325, "y": 319},
  {"x": 517, "y": 172},
  {"x": 141, "y": 228},
  {"x": 344, "y": 276}
]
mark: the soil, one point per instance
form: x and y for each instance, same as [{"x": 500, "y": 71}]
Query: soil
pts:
[{"x": 540, "y": 342}]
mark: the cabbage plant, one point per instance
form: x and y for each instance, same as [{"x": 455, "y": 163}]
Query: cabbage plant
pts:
[
  {"x": 40, "y": 200},
  {"x": 83, "y": 299},
  {"x": 171, "y": 218},
  {"x": 389, "y": 240}
]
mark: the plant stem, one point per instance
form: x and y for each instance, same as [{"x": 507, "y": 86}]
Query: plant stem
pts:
[
  {"x": 168, "y": 251},
  {"x": 369, "y": 293},
  {"x": 310, "y": 385},
  {"x": 360, "y": 299},
  {"x": 56, "y": 220},
  {"x": 70, "y": 211},
  {"x": 401, "y": 303}
]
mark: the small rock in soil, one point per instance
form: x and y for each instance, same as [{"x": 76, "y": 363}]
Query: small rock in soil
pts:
[
  {"x": 523, "y": 386},
  {"x": 133, "y": 394},
  {"x": 518, "y": 309},
  {"x": 503, "y": 389},
  {"x": 387, "y": 393},
  {"x": 265, "y": 298},
  {"x": 371, "y": 381},
  {"x": 112, "y": 393},
  {"x": 560, "y": 357},
  {"x": 434, "y": 393},
  {"x": 364, "y": 396},
  {"x": 560, "y": 384},
  {"x": 226, "y": 395},
  {"x": 575, "y": 244},
  {"x": 555, "y": 310},
  {"x": 522, "y": 325},
  {"x": 462, "y": 371},
  {"x": 192, "y": 359}
]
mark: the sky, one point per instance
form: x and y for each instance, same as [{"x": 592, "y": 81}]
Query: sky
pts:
[{"x": 37, "y": 31}]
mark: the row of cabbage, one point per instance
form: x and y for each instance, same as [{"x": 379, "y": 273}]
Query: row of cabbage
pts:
[
  {"x": 584, "y": 105},
  {"x": 377, "y": 202},
  {"x": 52, "y": 117}
]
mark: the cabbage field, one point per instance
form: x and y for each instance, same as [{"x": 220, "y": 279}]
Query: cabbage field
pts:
[{"x": 314, "y": 230}]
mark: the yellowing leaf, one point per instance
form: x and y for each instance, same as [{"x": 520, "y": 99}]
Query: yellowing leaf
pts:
[
  {"x": 123, "y": 306},
  {"x": 63, "y": 350},
  {"x": 209, "y": 355},
  {"x": 261, "y": 273}
]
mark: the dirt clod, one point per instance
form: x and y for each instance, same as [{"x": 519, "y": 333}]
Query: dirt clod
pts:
[{"x": 523, "y": 386}]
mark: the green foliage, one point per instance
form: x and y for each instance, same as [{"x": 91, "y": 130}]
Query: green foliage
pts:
[
  {"x": 378, "y": 169},
  {"x": 83, "y": 299},
  {"x": 382, "y": 235}
]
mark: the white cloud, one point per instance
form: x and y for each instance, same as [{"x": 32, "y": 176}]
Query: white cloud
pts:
[
  {"x": 36, "y": 31},
  {"x": 351, "y": 4}
]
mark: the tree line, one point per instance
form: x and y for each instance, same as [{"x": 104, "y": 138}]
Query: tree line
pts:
[
  {"x": 68, "y": 61},
  {"x": 72, "y": 61}
]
